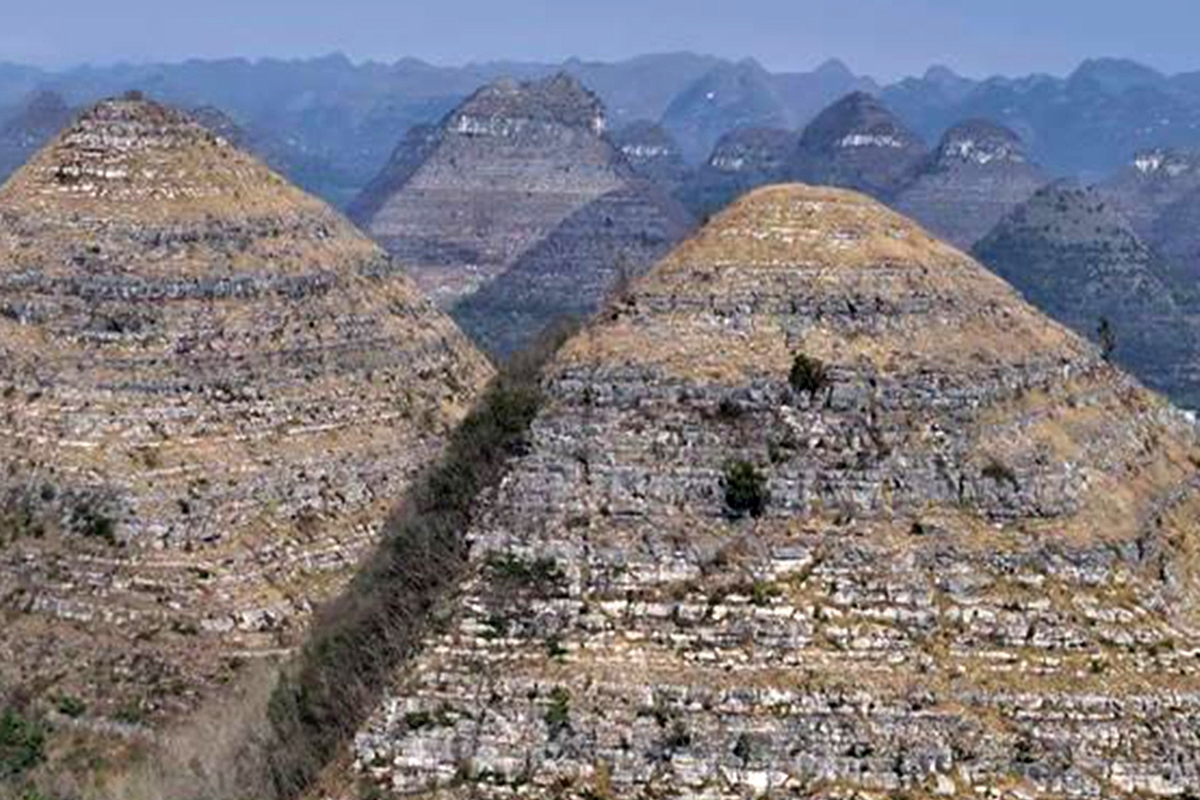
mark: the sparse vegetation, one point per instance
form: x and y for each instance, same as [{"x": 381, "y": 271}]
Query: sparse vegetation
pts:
[
  {"x": 999, "y": 473},
  {"x": 745, "y": 489},
  {"x": 1108, "y": 339},
  {"x": 808, "y": 375},
  {"x": 558, "y": 713},
  {"x": 358, "y": 639},
  {"x": 22, "y": 743}
]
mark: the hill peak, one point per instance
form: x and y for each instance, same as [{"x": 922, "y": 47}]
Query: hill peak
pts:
[{"x": 501, "y": 107}]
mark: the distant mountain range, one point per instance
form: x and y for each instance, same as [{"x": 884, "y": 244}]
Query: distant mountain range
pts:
[{"x": 343, "y": 120}]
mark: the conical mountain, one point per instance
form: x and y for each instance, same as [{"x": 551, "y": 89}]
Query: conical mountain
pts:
[
  {"x": 1176, "y": 235},
  {"x": 979, "y": 173},
  {"x": 820, "y": 508},
  {"x": 520, "y": 179},
  {"x": 741, "y": 95},
  {"x": 743, "y": 159},
  {"x": 460, "y": 205},
  {"x": 43, "y": 114},
  {"x": 652, "y": 153},
  {"x": 857, "y": 143},
  {"x": 1155, "y": 180},
  {"x": 1072, "y": 253},
  {"x": 213, "y": 388}
]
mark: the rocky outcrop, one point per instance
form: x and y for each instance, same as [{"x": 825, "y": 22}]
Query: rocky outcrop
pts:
[
  {"x": 978, "y": 174},
  {"x": 821, "y": 508},
  {"x": 858, "y": 144},
  {"x": 743, "y": 159},
  {"x": 1072, "y": 253},
  {"x": 43, "y": 115},
  {"x": 652, "y": 154},
  {"x": 212, "y": 390}
]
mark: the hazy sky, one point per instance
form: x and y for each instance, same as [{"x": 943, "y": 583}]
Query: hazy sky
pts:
[{"x": 885, "y": 38}]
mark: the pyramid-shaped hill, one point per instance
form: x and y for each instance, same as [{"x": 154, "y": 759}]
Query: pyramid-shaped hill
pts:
[
  {"x": 1072, "y": 253},
  {"x": 979, "y": 173},
  {"x": 743, "y": 159},
  {"x": 213, "y": 388},
  {"x": 858, "y": 143},
  {"x": 821, "y": 507},
  {"x": 1154, "y": 181},
  {"x": 461, "y": 204},
  {"x": 572, "y": 272}
]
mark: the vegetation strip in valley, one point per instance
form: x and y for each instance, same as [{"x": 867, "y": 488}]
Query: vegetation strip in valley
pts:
[{"x": 358, "y": 640}]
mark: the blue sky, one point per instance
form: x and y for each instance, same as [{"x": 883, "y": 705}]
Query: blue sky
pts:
[{"x": 885, "y": 38}]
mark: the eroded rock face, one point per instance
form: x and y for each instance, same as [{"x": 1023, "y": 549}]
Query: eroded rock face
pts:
[
  {"x": 857, "y": 143},
  {"x": 1072, "y": 253},
  {"x": 212, "y": 390},
  {"x": 972, "y": 571},
  {"x": 978, "y": 174},
  {"x": 743, "y": 159}
]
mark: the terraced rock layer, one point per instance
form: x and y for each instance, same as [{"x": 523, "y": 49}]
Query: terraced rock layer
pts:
[
  {"x": 974, "y": 571},
  {"x": 743, "y": 159},
  {"x": 212, "y": 389}
]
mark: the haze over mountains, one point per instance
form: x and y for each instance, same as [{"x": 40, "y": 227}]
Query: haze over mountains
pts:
[{"x": 348, "y": 117}]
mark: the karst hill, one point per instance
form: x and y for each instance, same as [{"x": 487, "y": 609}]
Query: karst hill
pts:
[
  {"x": 979, "y": 172},
  {"x": 212, "y": 390},
  {"x": 822, "y": 507},
  {"x": 520, "y": 178}
]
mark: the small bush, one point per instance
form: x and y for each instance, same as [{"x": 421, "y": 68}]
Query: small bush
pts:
[
  {"x": 558, "y": 714},
  {"x": 1000, "y": 473},
  {"x": 745, "y": 489},
  {"x": 71, "y": 706},
  {"x": 808, "y": 374},
  {"x": 22, "y": 744}
]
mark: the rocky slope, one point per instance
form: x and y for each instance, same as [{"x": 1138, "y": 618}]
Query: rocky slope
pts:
[
  {"x": 978, "y": 173},
  {"x": 743, "y": 159},
  {"x": 858, "y": 144},
  {"x": 212, "y": 389},
  {"x": 652, "y": 154},
  {"x": 519, "y": 179},
  {"x": 572, "y": 272},
  {"x": 1155, "y": 180},
  {"x": 1075, "y": 256},
  {"x": 821, "y": 508},
  {"x": 42, "y": 115}
]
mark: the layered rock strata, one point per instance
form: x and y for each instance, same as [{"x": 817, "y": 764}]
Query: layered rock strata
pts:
[
  {"x": 212, "y": 389},
  {"x": 820, "y": 508}
]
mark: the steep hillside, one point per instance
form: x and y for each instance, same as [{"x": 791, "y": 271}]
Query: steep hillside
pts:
[
  {"x": 572, "y": 272},
  {"x": 1156, "y": 179},
  {"x": 42, "y": 115},
  {"x": 1072, "y": 254},
  {"x": 858, "y": 144},
  {"x": 213, "y": 388},
  {"x": 978, "y": 174},
  {"x": 743, "y": 159},
  {"x": 653, "y": 154},
  {"x": 820, "y": 507}
]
